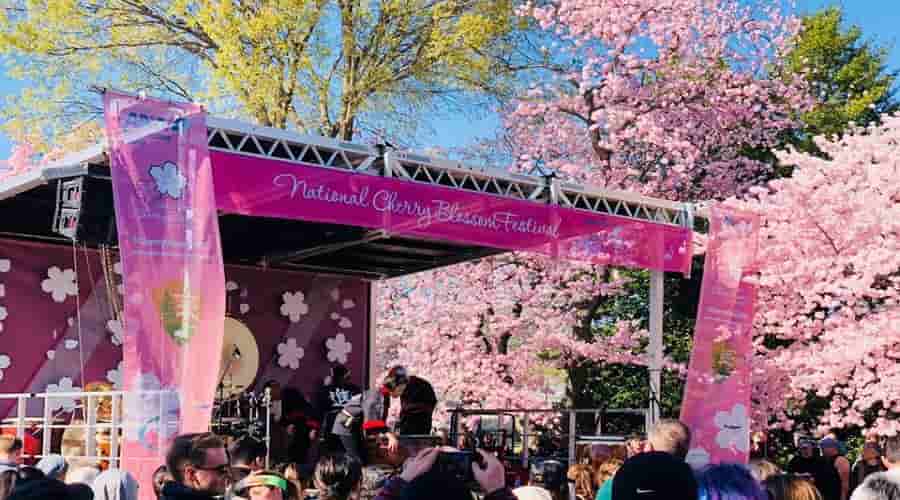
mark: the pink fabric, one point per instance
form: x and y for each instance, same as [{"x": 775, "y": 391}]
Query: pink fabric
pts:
[
  {"x": 717, "y": 397},
  {"x": 172, "y": 264},
  {"x": 271, "y": 188}
]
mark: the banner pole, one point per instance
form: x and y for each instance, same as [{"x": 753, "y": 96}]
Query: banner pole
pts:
[{"x": 657, "y": 293}]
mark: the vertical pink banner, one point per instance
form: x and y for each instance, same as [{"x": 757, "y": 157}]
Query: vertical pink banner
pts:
[
  {"x": 716, "y": 402},
  {"x": 173, "y": 272}
]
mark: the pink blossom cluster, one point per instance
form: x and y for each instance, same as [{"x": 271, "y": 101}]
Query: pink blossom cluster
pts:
[
  {"x": 489, "y": 332},
  {"x": 659, "y": 96},
  {"x": 829, "y": 297}
]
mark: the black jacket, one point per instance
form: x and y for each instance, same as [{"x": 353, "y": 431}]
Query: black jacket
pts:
[{"x": 178, "y": 491}]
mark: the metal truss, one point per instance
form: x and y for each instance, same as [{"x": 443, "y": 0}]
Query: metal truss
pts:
[{"x": 238, "y": 137}]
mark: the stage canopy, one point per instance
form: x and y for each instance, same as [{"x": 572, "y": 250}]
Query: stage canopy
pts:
[{"x": 309, "y": 203}]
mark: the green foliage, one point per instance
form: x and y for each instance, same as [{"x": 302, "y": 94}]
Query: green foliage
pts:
[
  {"x": 329, "y": 66},
  {"x": 608, "y": 385},
  {"x": 847, "y": 75}
]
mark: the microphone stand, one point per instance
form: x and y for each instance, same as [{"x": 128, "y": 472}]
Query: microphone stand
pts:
[{"x": 221, "y": 386}]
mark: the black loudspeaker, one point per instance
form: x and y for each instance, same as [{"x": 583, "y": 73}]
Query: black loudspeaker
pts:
[{"x": 84, "y": 210}]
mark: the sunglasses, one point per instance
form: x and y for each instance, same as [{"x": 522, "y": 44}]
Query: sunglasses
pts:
[{"x": 221, "y": 470}]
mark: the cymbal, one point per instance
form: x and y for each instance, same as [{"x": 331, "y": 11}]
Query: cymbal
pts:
[{"x": 238, "y": 339}]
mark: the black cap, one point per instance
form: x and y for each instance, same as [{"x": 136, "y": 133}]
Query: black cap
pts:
[{"x": 654, "y": 476}]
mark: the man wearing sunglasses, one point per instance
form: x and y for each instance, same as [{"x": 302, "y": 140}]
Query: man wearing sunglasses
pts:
[{"x": 200, "y": 465}]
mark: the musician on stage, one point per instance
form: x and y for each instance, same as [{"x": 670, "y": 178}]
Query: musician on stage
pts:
[
  {"x": 335, "y": 392},
  {"x": 366, "y": 413}
]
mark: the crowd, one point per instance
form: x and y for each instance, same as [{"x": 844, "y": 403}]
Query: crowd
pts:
[{"x": 205, "y": 466}]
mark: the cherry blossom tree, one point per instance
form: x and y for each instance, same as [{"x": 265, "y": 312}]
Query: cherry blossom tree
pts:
[
  {"x": 829, "y": 316},
  {"x": 659, "y": 96}
]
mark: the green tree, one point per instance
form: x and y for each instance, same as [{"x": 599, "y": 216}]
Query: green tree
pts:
[
  {"x": 335, "y": 67},
  {"x": 847, "y": 75}
]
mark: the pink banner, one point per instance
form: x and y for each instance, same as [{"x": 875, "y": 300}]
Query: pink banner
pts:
[
  {"x": 174, "y": 304},
  {"x": 716, "y": 402},
  {"x": 271, "y": 188}
]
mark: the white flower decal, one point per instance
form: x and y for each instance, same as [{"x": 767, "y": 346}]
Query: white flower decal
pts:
[
  {"x": 117, "y": 269},
  {"x": 231, "y": 286},
  {"x": 335, "y": 295},
  {"x": 734, "y": 432},
  {"x": 338, "y": 348},
  {"x": 66, "y": 404},
  {"x": 294, "y": 306},
  {"x": 169, "y": 181},
  {"x": 5, "y": 362},
  {"x": 244, "y": 308},
  {"x": 290, "y": 354},
  {"x": 348, "y": 304},
  {"x": 115, "y": 328},
  {"x": 697, "y": 458},
  {"x": 71, "y": 344},
  {"x": 3, "y": 313},
  {"x": 2, "y": 290},
  {"x": 5, "y": 265},
  {"x": 345, "y": 322},
  {"x": 60, "y": 284},
  {"x": 114, "y": 376}
]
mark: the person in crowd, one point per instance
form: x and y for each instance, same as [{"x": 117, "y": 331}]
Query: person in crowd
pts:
[
  {"x": 199, "y": 466},
  {"x": 763, "y": 469},
  {"x": 654, "y": 475},
  {"x": 790, "y": 487},
  {"x": 10, "y": 452},
  {"x": 419, "y": 481},
  {"x": 27, "y": 473},
  {"x": 335, "y": 393},
  {"x": 832, "y": 453},
  {"x": 301, "y": 424},
  {"x": 667, "y": 436},
  {"x": 868, "y": 463},
  {"x": 532, "y": 493},
  {"x": 115, "y": 484},
  {"x": 84, "y": 474},
  {"x": 161, "y": 476},
  {"x": 605, "y": 471},
  {"x": 50, "y": 489},
  {"x": 7, "y": 483},
  {"x": 53, "y": 466},
  {"x": 581, "y": 482},
  {"x": 247, "y": 455},
  {"x": 634, "y": 445},
  {"x": 824, "y": 475},
  {"x": 337, "y": 477},
  {"x": 266, "y": 485},
  {"x": 728, "y": 482},
  {"x": 883, "y": 485}
]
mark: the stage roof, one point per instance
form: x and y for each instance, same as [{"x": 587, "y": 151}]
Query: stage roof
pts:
[{"x": 28, "y": 204}]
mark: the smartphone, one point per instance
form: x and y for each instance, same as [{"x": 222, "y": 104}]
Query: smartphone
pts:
[{"x": 458, "y": 465}]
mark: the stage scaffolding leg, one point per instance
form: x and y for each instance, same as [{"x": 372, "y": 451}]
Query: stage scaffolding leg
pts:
[{"x": 657, "y": 292}]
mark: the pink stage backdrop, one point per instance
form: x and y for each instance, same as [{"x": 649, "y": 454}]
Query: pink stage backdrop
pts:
[
  {"x": 717, "y": 397},
  {"x": 302, "y": 323},
  {"x": 271, "y": 188}
]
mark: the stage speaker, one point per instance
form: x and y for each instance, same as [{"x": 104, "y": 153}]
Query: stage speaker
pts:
[{"x": 85, "y": 211}]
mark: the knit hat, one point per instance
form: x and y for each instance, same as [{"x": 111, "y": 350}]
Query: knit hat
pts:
[{"x": 654, "y": 476}]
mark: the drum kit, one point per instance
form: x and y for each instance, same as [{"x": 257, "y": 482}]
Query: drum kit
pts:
[{"x": 237, "y": 409}]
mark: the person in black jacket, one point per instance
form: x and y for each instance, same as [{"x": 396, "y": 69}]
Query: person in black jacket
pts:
[
  {"x": 199, "y": 464},
  {"x": 367, "y": 412},
  {"x": 335, "y": 393}
]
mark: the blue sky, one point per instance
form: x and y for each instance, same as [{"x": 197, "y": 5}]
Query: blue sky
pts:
[{"x": 880, "y": 20}]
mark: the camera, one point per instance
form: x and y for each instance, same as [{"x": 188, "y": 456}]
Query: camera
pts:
[{"x": 458, "y": 465}]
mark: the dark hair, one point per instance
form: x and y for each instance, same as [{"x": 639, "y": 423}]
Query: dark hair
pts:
[
  {"x": 245, "y": 450},
  {"x": 190, "y": 449},
  {"x": 434, "y": 485},
  {"x": 30, "y": 474},
  {"x": 729, "y": 481},
  {"x": 336, "y": 476},
  {"x": 7, "y": 483},
  {"x": 160, "y": 475}
]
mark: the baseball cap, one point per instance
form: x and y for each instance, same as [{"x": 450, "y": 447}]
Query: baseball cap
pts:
[
  {"x": 829, "y": 443},
  {"x": 654, "y": 476}
]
